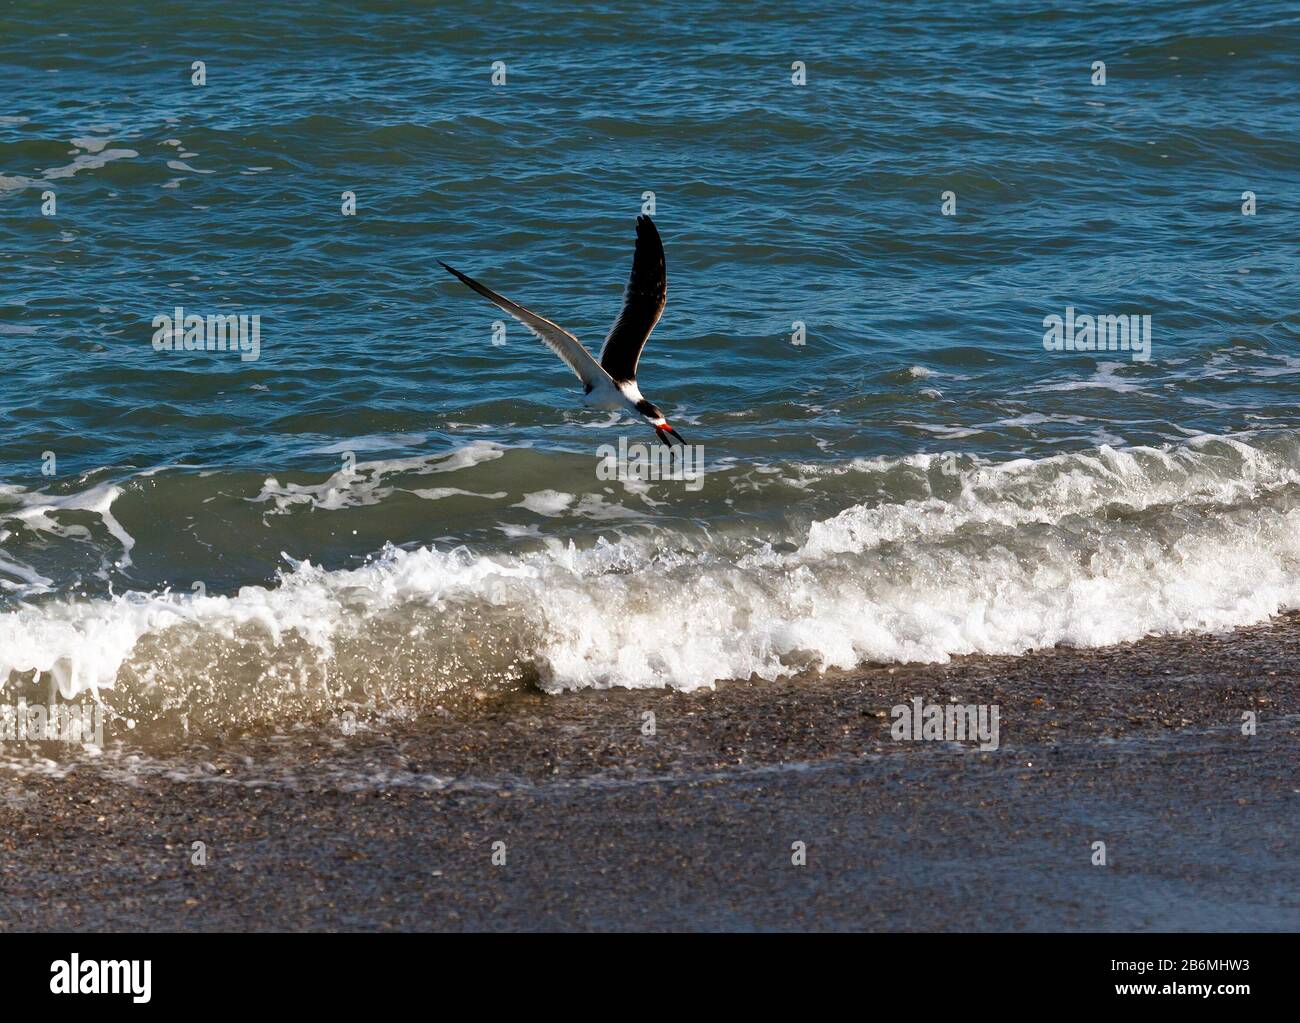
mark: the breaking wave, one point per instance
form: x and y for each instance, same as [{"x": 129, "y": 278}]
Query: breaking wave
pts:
[{"x": 945, "y": 557}]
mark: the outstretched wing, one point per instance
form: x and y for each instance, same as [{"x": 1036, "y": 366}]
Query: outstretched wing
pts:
[
  {"x": 643, "y": 304},
  {"x": 560, "y": 341}
]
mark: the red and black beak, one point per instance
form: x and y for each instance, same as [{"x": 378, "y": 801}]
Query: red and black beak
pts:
[{"x": 666, "y": 431}]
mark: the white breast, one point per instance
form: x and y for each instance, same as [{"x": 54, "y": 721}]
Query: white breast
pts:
[{"x": 606, "y": 395}]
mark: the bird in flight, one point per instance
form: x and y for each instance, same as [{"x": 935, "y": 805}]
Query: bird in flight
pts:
[{"x": 611, "y": 382}]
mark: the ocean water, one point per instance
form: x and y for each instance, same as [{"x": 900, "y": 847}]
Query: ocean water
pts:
[{"x": 385, "y": 508}]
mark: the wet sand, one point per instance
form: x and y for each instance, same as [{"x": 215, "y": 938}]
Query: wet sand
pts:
[{"x": 604, "y": 827}]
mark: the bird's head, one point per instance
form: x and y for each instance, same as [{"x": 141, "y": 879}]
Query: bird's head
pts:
[{"x": 657, "y": 419}]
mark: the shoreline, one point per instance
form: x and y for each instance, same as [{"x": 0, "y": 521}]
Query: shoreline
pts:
[{"x": 1139, "y": 746}]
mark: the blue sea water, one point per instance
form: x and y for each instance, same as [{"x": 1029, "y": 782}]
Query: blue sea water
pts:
[{"x": 387, "y": 500}]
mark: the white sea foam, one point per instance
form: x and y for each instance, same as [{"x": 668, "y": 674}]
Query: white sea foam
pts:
[
  {"x": 1106, "y": 378},
  {"x": 372, "y": 442},
  {"x": 369, "y": 483},
  {"x": 1290, "y": 365},
  {"x": 91, "y": 144},
  {"x": 546, "y": 502},
  {"x": 36, "y": 510},
  {"x": 1087, "y": 549},
  {"x": 89, "y": 161},
  {"x": 1024, "y": 491},
  {"x": 438, "y": 493}
]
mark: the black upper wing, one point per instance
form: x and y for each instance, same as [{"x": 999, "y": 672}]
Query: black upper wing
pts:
[{"x": 643, "y": 303}]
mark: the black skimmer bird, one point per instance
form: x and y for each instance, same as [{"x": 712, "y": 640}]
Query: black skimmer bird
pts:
[{"x": 611, "y": 382}]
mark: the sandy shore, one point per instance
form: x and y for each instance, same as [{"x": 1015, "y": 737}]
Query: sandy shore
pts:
[{"x": 1139, "y": 747}]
